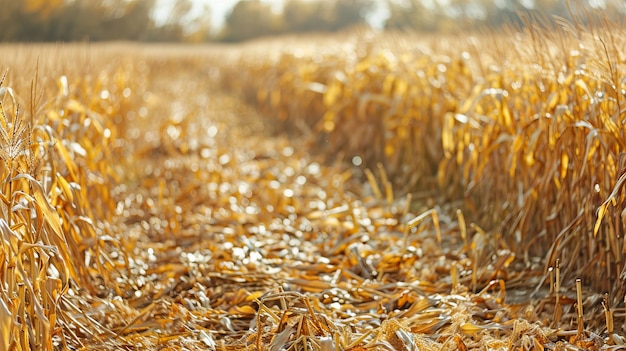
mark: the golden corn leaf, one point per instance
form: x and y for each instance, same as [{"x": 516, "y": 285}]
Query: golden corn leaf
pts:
[
  {"x": 6, "y": 323},
  {"x": 610, "y": 125},
  {"x": 246, "y": 310},
  {"x": 447, "y": 139},
  {"x": 506, "y": 115},
  {"x": 441, "y": 173},
  {"x": 603, "y": 208},
  {"x": 564, "y": 164},
  {"x": 529, "y": 158},
  {"x": 517, "y": 146},
  {"x": 254, "y": 295},
  {"x": 65, "y": 188},
  {"x": 67, "y": 159},
  {"x": 401, "y": 88},
  {"x": 52, "y": 219},
  {"x": 460, "y": 152},
  {"x": 332, "y": 94},
  {"x": 10, "y": 237},
  {"x": 553, "y": 100},
  {"x": 600, "y": 214},
  {"x": 435, "y": 217},
  {"x": 470, "y": 328}
]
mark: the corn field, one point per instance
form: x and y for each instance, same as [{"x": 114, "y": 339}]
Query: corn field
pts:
[{"x": 361, "y": 191}]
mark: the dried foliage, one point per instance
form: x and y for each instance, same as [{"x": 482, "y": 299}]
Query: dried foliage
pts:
[
  {"x": 57, "y": 147},
  {"x": 527, "y": 127},
  {"x": 143, "y": 206}
]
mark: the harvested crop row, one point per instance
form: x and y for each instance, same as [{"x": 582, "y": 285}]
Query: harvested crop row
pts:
[{"x": 527, "y": 127}]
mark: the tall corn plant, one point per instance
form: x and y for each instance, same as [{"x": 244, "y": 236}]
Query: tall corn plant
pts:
[
  {"x": 57, "y": 207},
  {"x": 33, "y": 260},
  {"x": 539, "y": 145}
]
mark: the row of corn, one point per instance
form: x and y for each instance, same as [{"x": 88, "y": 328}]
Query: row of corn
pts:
[
  {"x": 527, "y": 127},
  {"x": 59, "y": 140}
]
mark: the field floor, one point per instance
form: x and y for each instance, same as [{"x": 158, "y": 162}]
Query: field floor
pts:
[{"x": 243, "y": 239}]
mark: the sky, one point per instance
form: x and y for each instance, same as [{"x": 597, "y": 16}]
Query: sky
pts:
[{"x": 221, "y": 8}]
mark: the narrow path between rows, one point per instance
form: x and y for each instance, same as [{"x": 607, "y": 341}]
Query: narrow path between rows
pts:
[{"x": 243, "y": 239}]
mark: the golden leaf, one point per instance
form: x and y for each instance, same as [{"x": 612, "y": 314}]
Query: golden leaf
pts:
[
  {"x": 6, "y": 323},
  {"x": 246, "y": 310}
]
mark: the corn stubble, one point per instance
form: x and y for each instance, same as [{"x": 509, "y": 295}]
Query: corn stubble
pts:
[
  {"x": 526, "y": 127},
  {"x": 218, "y": 234}
]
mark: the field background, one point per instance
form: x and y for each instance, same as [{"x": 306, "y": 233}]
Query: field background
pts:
[{"x": 352, "y": 191}]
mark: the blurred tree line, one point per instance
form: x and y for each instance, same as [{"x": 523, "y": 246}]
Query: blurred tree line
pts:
[
  {"x": 253, "y": 18},
  {"x": 96, "y": 20},
  {"x": 455, "y": 15}
]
